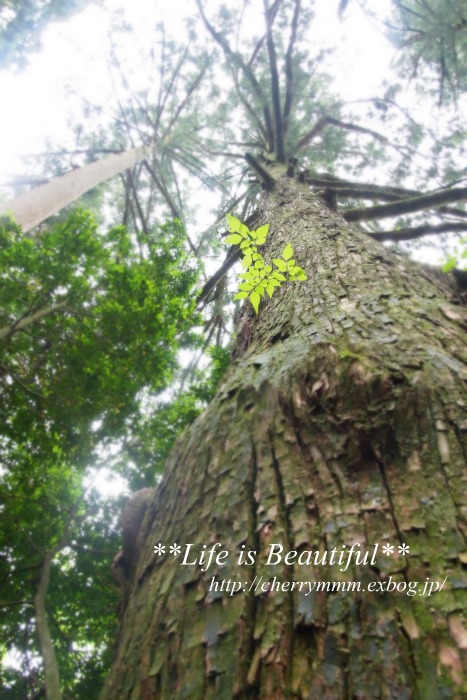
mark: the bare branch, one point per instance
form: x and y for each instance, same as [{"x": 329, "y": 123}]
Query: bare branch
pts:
[
  {"x": 408, "y": 234},
  {"x": 237, "y": 60},
  {"x": 272, "y": 13},
  {"x": 33, "y": 318},
  {"x": 275, "y": 89},
  {"x": 233, "y": 255},
  {"x": 267, "y": 179},
  {"x": 289, "y": 77},
  {"x": 313, "y": 133},
  {"x": 406, "y": 206},
  {"x": 164, "y": 192}
]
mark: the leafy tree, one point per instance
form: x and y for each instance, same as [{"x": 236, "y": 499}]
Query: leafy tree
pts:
[
  {"x": 338, "y": 424},
  {"x": 89, "y": 322}
]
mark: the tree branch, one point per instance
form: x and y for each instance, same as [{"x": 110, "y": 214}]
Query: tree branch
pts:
[
  {"x": 233, "y": 255},
  {"x": 267, "y": 179},
  {"x": 246, "y": 70},
  {"x": 348, "y": 188},
  {"x": 275, "y": 89},
  {"x": 27, "y": 320},
  {"x": 313, "y": 133},
  {"x": 406, "y": 206},
  {"x": 408, "y": 234},
  {"x": 289, "y": 78}
]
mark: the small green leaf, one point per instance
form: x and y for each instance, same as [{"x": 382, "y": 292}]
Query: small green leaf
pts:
[
  {"x": 259, "y": 264},
  {"x": 270, "y": 290},
  {"x": 255, "y": 300},
  {"x": 257, "y": 256},
  {"x": 246, "y": 287},
  {"x": 268, "y": 268},
  {"x": 241, "y": 295},
  {"x": 278, "y": 276},
  {"x": 246, "y": 275},
  {"x": 233, "y": 239},
  {"x": 243, "y": 244},
  {"x": 302, "y": 276},
  {"x": 262, "y": 232},
  {"x": 260, "y": 241},
  {"x": 280, "y": 264},
  {"x": 246, "y": 261},
  {"x": 291, "y": 264},
  {"x": 253, "y": 235},
  {"x": 288, "y": 252}
]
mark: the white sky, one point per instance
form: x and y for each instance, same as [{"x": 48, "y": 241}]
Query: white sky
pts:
[{"x": 75, "y": 53}]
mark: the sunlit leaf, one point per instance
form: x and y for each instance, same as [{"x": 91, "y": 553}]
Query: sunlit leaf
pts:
[
  {"x": 233, "y": 239},
  {"x": 255, "y": 300},
  {"x": 280, "y": 264},
  {"x": 288, "y": 252},
  {"x": 262, "y": 231}
]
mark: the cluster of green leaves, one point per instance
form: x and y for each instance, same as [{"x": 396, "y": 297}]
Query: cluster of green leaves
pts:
[{"x": 261, "y": 278}]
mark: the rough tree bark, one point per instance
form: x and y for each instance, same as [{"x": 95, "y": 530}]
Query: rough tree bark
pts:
[{"x": 341, "y": 421}]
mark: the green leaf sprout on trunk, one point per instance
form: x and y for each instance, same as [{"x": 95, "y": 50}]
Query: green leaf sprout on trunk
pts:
[{"x": 259, "y": 277}]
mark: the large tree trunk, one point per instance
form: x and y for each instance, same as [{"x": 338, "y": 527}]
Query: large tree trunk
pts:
[
  {"x": 32, "y": 208},
  {"x": 339, "y": 423}
]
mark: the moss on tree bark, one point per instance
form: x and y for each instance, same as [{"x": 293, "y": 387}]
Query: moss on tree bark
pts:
[{"x": 341, "y": 421}]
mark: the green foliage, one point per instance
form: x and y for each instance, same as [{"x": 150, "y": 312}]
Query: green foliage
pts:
[
  {"x": 457, "y": 257},
  {"x": 120, "y": 317},
  {"x": 88, "y": 323},
  {"x": 260, "y": 277}
]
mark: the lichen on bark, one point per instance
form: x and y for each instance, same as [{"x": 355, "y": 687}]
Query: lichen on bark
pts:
[{"x": 341, "y": 421}]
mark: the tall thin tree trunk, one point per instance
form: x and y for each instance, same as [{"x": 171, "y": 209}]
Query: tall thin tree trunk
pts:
[
  {"x": 49, "y": 658},
  {"x": 340, "y": 423},
  {"x": 33, "y": 207}
]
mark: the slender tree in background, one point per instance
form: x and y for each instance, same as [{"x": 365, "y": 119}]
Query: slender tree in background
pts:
[
  {"x": 32, "y": 208},
  {"x": 341, "y": 422}
]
